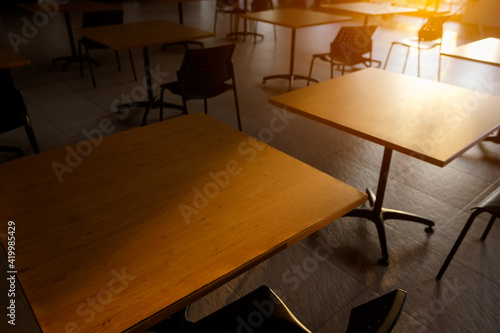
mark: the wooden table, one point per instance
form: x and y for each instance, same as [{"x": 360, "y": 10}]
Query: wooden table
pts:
[
  {"x": 9, "y": 59},
  {"x": 428, "y": 120},
  {"x": 143, "y": 35},
  {"x": 369, "y": 9},
  {"x": 154, "y": 218},
  {"x": 484, "y": 51},
  {"x": 81, "y": 6},
  {"x": 294, "y": 19}
]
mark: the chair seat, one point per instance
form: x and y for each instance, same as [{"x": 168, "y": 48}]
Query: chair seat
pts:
[
  {"x": 413, "y": 42},
  {"x": 491, "y": 203},
  {"x": 261, "y": 311},
  {"x": 196, "y": 92}
]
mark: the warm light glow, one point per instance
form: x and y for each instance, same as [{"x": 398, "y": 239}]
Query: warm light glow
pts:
[{"x": 449, "y": 41}]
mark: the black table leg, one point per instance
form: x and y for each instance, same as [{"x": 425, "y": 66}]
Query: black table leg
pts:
[
  {"x": 74, "y": 57},
  {"x": 291, "y": 77},
  {"x": 379, "y": 214},
  {"x": 181, "y": 22},
  {"x": 151, "y": 102}
]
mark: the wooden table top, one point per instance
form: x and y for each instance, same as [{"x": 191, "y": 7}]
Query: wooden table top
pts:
[
  {"x": 154, "y": 218},
  {"x": 69, "y": 6},
  {"x": 369, "y": 8},
  {"x": 484, "y": 51},
  {"x": 294, "y": 18},
  {"x": 141, "y": 34},
  {"x": 11, "y": 59},
  {"x": 425, "y": 119}
]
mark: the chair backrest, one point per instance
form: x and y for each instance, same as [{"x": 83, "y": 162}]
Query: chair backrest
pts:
[
  {"x": 14, "y": 114},
  {"x": 107, "y": 17},
  {"x": 351, "y": 43},
  {"x": 433, "y": 28},
  {"x": 206, "y": 67},
  {"x": 378, "y": 315},
  {"x": 261, "y": 5}
]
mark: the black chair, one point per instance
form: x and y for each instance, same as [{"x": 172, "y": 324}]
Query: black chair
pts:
[
  {"x": 204, "y": 74},
  {"x": 348, "y": 48},
  {"x": 229, "y": 7},
  {"x": 262, "y": 311},
  {"x": 13, "y": 115},
  {"x": 259, "y": 6},
  {"x": 95, "y": 19},
  {"x": 491, "y": 204},
  {"x": 429, "y": 36}
]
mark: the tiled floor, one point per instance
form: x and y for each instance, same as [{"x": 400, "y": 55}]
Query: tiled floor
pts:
[{"x": 324, "y": 276}]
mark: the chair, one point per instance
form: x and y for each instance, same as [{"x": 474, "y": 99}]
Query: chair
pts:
[
  {"x": 348, "y": 48},
  {"x": 262, "y": 311},
  {"x": 15, "y": 115},
  {"x": 259, "y": 6},
  {"x": 429, "y": 36},
  {"x": 229, "y": 7},
  {"x": 491, "y": 205},
  {"x": 204, "y": 74},
  {"x": 95, "y": 19}
]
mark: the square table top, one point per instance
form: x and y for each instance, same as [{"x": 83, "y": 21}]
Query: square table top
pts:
[
  {"x": 370, "y": 8},
  {"x": 69, "y": 6},
  {"x": 432, "y": 121},
  {"x": 10, "y": 59},
  {"x": 151, "y": 219},
  {"x": 294, "y": 18},
  {"x": 484, "y": 51},
  {"x": 142, "y": 34}
]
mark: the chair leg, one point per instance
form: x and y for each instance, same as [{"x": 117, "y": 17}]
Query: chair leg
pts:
[
  {"x": 31, "y": 137},
  {"x": 184, "y": 105},
  {"x": 439, "y": 64},
  {"x": 80, "y": 57},
  {"x": 132, "y": 64},
  {"x": 90, "y": 67},
  {"x": 331, "y": 70},
  {"x": 388, "y": 55},
  {"x": 488, "y": 228},
  {"x": 238, "y": 118},
  {"x": 418, "y": 62},
  {"x": 205, "y": 106},
  {"x": 406, "y": 60},
  {"x": 457, "y": 243},
  {"x": 343, "y": 69},
  {"x": 310, "y": 70},
  {"x": 161, "y": 104},
  {"x": 118, "y": 61}
]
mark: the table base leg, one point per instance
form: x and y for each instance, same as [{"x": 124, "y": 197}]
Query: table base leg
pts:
[
  {"x": 378, "y": 214},
  {"x": 148, "y": 106},
  {"x": 290, "y": 77},
  {"x": 68, "y": 60},
  {"x": 185, "y": 44},
  {"x": 388, "y": 214}
]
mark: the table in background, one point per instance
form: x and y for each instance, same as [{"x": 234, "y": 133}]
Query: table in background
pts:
[
  {"x": 143, "y": 35},
  {"x": 484, "y": 51},
  {"x": 9, "y": 59},
  {"x": 155, "y": 218},
  {"x": 424, "y": 119},
  {"x": 369, "y": 9},
  {"x": 294, "y": 19},
  {"x": 70, "y": 6}
]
